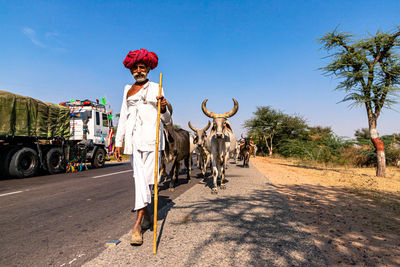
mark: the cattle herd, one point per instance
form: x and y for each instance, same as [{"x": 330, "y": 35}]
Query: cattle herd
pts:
[{"x": 216, "y": 146}]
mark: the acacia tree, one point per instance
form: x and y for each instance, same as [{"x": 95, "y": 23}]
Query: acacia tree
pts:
[
  {"x": 370, "y": 72},
  {"x": 319, "y": 132},
  {"x": 271, "y": 126},
  {"x": 293, "y": 127},
  {"x": 265, "y": 125}
]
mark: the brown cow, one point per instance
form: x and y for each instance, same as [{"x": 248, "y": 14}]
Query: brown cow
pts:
[{"x": 246, "y": 149}]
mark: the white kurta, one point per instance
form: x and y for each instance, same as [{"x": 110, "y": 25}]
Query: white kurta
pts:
[
  {"x": 138, "y": 120},
  {"x": 137, "y": 127}
]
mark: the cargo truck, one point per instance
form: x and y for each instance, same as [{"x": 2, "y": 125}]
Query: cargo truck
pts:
[{"x": 38, "y": 136}]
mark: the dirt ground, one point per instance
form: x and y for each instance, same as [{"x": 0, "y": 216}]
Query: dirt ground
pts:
[{"x": 352, "y": 215}]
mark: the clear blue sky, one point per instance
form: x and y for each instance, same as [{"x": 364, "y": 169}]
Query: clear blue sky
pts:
[{"x": 259, "y": 52}]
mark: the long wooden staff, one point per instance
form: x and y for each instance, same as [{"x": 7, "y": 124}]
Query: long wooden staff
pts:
[{"x": 156, "y": 169}]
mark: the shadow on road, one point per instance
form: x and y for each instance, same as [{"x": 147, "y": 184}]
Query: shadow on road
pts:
[
  {"x": 285, "y": 226},
  {"x": 163, "y": 216},
  {"x": 259, "y": 224},
  {"x": 351, "y": 227}
]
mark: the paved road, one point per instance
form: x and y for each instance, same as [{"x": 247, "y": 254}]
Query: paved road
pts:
[{"x": 66, "y": 219}]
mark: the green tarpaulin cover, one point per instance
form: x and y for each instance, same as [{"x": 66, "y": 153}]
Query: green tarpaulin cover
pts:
[{"x": 26, "y": 116}]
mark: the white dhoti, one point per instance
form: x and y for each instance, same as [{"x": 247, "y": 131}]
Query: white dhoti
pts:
[{"x": 143, "y": 163}]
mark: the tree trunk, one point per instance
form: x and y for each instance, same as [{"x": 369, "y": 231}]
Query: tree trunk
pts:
[
  {"x": 269, "y": 146},
  {"x": 380, "y": 150},
  {"x": 269, "y": 149},
  {"x": 271, "y": 137}
]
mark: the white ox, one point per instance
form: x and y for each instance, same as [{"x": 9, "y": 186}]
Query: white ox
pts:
[
  {"x": 221, "y": 142},
  {"x": 199, "y": 141}
]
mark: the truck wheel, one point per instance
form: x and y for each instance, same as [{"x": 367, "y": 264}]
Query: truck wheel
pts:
[
  {"x": 55, "y": 160},
  {"x": 24, "y": 163},
  {"x": 2, "y": 172},
  {"x": 99, "y": 158},
  {"x": 5, "y": 162}
]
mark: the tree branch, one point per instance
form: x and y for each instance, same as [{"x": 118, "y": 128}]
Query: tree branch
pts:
[{"x": 382, "y": 53}]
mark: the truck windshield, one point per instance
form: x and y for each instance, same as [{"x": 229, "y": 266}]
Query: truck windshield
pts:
[{"x": 78, "y": 115}]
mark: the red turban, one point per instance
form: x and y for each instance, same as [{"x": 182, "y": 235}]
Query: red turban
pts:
[{"x": 143, "y": 56}]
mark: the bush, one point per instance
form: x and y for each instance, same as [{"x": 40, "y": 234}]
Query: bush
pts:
[
  {"x": 392, "y": 156},
  {"x": 325, "y": 149},
  {"x": 360, "y": 157},
  {"x": 366, "y": 155}
]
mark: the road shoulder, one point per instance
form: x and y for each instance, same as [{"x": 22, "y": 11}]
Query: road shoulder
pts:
[{"x": 351, "y": 215}]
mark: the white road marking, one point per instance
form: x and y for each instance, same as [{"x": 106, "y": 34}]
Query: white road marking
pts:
[
  {"x": 71, "y": 261},
  {"x": 11, "y": 193},
  {"x": 113, "y": 173},
  {"x": 98, "y": 176},
  {"x": 75, "y": 259}
]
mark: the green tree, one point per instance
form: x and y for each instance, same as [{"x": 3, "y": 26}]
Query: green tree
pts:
[
  {"x": 293, "y": 127},
  {"x": 370, "y": 72},
  {"x": 362, "y": 134},
  {"x": 319, "y": 132},
  {"x": 264, "y": 125},
  {"x": 269, "y": 127}
]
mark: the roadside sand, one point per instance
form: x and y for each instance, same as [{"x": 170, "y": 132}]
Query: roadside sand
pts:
[{"x": 352, "y": 215}]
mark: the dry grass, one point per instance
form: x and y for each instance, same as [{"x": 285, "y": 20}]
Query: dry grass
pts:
[
  {"x": 352, "y": 215},
  {"x": 318, "y": 174}
]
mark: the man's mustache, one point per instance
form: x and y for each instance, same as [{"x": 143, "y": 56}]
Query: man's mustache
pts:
[{"x": 139, "y": 74}]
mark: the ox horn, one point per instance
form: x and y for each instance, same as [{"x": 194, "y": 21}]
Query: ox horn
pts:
[
  {"x": 241, "y": 135},
  {"x": 169, "y": 107},
  {"x": 205, "y": 110},
  {"x": 191, "y": 127},
  {"x": 233, "y": 110},
  {"x": 208, "y": 126},
  {"x": 224, "y": 115}
]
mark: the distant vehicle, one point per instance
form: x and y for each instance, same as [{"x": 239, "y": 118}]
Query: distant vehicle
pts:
[{"x": 36, "y": 135}]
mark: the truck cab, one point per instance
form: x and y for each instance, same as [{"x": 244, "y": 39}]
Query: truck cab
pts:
[
  {"x": 89, "y": 121},
  {"x": 89, "y": 125}
]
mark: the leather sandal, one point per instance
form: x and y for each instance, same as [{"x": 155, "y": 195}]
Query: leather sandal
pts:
[
  {"x": 145, "y": 224},
  {"x": 137, "y": 238}
]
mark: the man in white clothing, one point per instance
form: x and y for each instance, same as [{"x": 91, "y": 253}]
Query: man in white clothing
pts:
[{"x": 137, "y": 129}]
